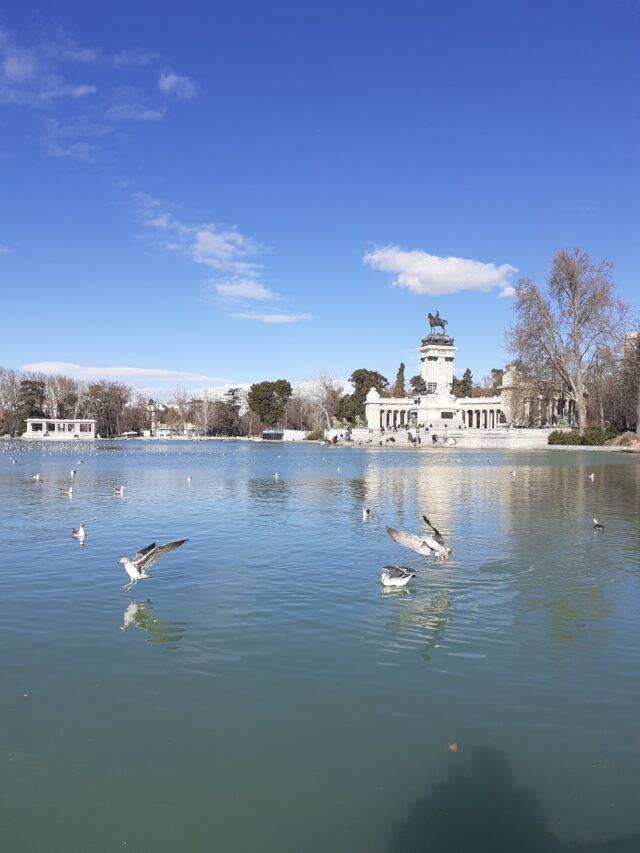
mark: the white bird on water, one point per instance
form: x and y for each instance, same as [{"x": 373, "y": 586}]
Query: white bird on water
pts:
[
  {"x": 592, "y": 476},
  {"x": 118, "y": 490},
  {"x": 597, "y": 525},
  {"x": 366, "y": 513},
  {"x": 68, "y": 491},
  {"x": 188, "y": 478},
  {"x": 513, "y": 473},
  {"x": 396, "y": 576},
  {"x": 79, "y": 532},
  {"x": 36, "y": 477},
  {"x": 72, "y": 473},
  {"x": 138, "y": 564},
  {"x": 275, "y": 475}
]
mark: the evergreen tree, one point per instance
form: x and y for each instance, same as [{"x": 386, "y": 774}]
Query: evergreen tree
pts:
[
  {"x": 398, "y": 389},
  {"x": 269, "y": 400},
  {"x": 362, "y": 380},
  {"x": 418, "y": 385},
  {"x": 466, "y": 383}
]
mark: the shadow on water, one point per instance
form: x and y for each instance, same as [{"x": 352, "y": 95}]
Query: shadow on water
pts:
[
  {"x": 140, "y": 614},
  {"x": 481, "y": 809}
]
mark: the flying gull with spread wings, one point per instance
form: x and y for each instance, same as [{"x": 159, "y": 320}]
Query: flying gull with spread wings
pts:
[
  {"x": 426, "y": 546},
  {"x": 138, "y": 564}
]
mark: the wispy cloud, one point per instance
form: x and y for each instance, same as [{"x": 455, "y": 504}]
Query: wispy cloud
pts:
[
  {"x": 509, "y": 290},
  {"x": 78, "y": 371},
  {"x": 270, "y": 318},
  {"x": 4, "y": 250},
  {"x": 135, "y": 112},
  {"x": 49, "y": 71},
  {"x": 242, "y": 289},
  {"x": 220, "y": 247},
  {"x": 179, "y": 85},
  {"x": 431, "y": 275},
  {"x": 134, "y": 56},
  {"x": 223, "y": 248}
]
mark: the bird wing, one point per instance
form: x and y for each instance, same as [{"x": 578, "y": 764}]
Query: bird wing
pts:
[
  {"x": 419, "y": 544},
  {"x": 398, "y": 571},
  {"x": 437, "y": 535},
  {"x": 143, "y": 552},
  {"x": 150, "y": 558}
]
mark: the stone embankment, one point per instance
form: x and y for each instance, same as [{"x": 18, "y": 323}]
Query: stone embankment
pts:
[{"x": 472, "y": 439}]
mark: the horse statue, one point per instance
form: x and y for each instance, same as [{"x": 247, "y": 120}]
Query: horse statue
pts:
[{"x": 436, "y": 321}]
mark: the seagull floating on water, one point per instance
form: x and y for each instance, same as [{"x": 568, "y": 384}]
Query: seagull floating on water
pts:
[
  {"x": 68, "y": 491},
  {"x": 396, "y": 576},
  {"x": 72, "y": 473},
  {"x": 366, "y": 513},
  {"x": 426, "y": 546},
  {"x": 513, "y": 473},
  {"x": 597, "y": 525},
  {"x": 188, "y": 478},
  {"x": 592, "y": 476},
  {"x": 36, "y": 477},
  {"x": 138, "y": 564},
  {"x": 275, "y": 475},
  {"x": 79, "y": 532},
  {"x": 118, "y": 490}
]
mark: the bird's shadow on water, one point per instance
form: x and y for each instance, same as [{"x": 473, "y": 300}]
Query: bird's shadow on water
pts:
[{"x": 481, "y": 810}]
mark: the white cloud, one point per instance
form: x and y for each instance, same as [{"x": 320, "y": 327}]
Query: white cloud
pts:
[
  {"x": 82, "y": 90},
  {"x": 509, "y": 290},
  {"x": 20, "y": 66},
  {"x": 431, "y": 275},
  {"x": 176, "y": 84},
  {"x": 134, "y": 112},
  {"x": 242, "y": 289},
  {"x": 78, "y": 371},
  {"x": 270, "y": 318},
  {"x": 134, "y": 56},
  {"x": 222, "y": 248}
]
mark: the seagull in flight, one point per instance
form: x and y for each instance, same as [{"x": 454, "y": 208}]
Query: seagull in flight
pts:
[
  {"x": 79, "y": 532},
  {"x": 436, "y": 533},
  {"x": 426, "y": 546},
  {"x": 138, "y": 564},
  {"x": 396, "y": 576}
]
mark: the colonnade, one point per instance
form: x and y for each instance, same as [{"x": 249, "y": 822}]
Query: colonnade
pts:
[
  {"x": 483, "y": 417},
  {"x": 396, "y": 417}
]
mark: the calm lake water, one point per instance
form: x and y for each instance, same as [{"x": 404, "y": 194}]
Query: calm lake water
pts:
[{"x": 263, "y": 692}]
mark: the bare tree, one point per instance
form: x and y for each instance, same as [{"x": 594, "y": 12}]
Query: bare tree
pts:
[
  {"x": 322, "y": 394},
  {"x": 181, "y": 402},
  {"x": 203, "y": 411},
  {"x": 557, "y": 335}
]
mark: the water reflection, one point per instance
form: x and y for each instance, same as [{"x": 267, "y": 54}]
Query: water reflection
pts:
[
  {"x": 481, "y": 808},
  {"x": 141, "y": 615}
]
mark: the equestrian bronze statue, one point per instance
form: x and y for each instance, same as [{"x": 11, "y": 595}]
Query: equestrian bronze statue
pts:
[{"x": 436, "y": 321}]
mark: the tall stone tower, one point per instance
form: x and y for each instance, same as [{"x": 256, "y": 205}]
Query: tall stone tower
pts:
[{"x": 438, "y": 406}]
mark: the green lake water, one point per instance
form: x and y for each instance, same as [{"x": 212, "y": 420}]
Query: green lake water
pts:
[{"x": 263, "y": 692}]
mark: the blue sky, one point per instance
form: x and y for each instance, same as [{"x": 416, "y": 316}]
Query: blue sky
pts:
[{"x": 248, "y": 191}]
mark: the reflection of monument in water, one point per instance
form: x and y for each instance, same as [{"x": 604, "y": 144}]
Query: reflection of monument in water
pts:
[{"x": 436, "y": 408}]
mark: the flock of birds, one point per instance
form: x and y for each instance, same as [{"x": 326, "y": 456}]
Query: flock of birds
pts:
[{"x": 426, "y": 545}]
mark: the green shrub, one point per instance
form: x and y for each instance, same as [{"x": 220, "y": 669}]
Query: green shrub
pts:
[
  {"x": 595, "y": 436},
  {"x": 314, "y": 435},
  {"x": 561, "y": 437}
]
